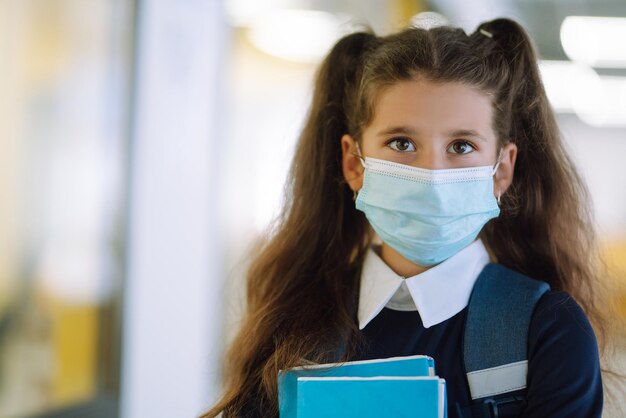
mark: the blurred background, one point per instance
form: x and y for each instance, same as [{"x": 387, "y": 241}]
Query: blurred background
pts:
[{"x": 144, "y": 146}]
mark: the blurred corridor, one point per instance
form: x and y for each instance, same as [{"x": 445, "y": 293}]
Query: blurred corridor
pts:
[{"x": 144, "y": 149}]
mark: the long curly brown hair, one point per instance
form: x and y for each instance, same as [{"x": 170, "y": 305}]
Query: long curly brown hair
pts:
[{"x": 303, "y": 286}]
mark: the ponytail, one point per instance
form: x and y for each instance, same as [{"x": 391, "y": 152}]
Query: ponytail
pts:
[
  {"x": 302, "y": 287},
  {"x": 545, "y": 229},
  {"x": 334, "y": 100},
  {"x": 512, "y": 60}
]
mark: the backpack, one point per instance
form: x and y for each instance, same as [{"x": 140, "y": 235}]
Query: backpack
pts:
[{"x": 495, "y": 341}]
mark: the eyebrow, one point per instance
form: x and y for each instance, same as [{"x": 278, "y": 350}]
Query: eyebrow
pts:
[
  {"x": 397, "y": 130},
  {"x": 410, "y": 131},
  {"x": 467, "y": 132}
]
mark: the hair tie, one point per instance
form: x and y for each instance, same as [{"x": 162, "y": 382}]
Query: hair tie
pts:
[{"x": 487, "y": 34}]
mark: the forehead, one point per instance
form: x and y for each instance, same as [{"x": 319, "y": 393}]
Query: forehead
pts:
[{"x": 423, "y": 104}]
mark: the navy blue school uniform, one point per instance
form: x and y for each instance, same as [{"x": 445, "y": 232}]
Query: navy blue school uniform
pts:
[{"x": 425, "y": 314}]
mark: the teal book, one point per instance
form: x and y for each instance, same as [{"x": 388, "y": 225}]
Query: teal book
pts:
[
  {"x": 364, "y": 397},
  {"x": 288, "y": 385}
]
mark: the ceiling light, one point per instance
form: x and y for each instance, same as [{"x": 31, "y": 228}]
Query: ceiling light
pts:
[
  {"x": 595, "y": 41},
  {"x": 429, "y": 20},
  {"x": 297, "y": 35},
  {"x": 575, "y": 87}
]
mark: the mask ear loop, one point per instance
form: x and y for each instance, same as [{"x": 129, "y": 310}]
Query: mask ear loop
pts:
[
  {"x": 495, "y": 168},
  {"x": 360, "y": 156}
]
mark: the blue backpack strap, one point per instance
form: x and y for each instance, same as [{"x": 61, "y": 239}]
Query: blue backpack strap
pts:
[{"x": 496, "y": 337}]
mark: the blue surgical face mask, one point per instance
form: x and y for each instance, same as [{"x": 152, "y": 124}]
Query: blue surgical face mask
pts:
[{"x": 427, "y": 215}]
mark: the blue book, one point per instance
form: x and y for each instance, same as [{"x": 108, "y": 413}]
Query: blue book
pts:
[
  {"x": 364, "y": 397},
  {"x": 410, "y": 366}
]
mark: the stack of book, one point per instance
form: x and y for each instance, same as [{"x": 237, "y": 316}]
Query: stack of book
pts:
[{"x": 392, "y": 387}]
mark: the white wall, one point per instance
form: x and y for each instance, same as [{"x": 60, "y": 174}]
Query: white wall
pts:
[
  {"x": 599, "y": 154},
  {"x": 172, "y": 308}
]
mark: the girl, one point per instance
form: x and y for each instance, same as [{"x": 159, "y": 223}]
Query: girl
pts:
[{"x": 426, "y": 156}]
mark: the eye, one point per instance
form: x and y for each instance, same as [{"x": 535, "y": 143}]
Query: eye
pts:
[
  {"x": 461, "y": 147},
  {"x": 401, "y": 145}
]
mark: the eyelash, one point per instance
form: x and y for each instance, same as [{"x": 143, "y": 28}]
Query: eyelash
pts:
[
  {"x": 463, "y": 141},
  {"x": 388, "y": 144},
  {"x": 392, "y": 140}
]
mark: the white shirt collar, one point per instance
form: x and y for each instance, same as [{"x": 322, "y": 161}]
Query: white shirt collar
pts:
[{"x": 438, "y": 293}]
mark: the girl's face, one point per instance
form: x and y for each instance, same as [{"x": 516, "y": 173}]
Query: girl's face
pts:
[{"x": 434, "y": 126}]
